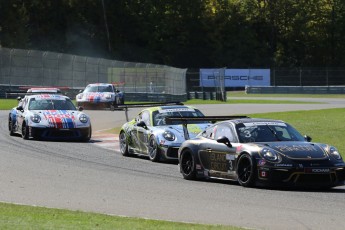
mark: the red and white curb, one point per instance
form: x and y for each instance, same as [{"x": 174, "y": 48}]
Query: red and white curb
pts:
[{"x": 105, "y": 140}]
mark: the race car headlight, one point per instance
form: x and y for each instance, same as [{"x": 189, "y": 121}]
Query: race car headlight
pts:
[
  {"x": 80, "y": 96},
  {"x": 35, "y": 118},
  {"x": 334, "y": 152},
  {"x": 83, "y": 118},
  {"x": 169, "y": 135},
  {"x": 269, "y": 154}
]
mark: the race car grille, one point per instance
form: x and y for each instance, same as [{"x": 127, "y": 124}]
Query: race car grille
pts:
[
  {"x": 281, "y": 176},
  {"x": 311, "y": 179},
  {"x": 56, "y": 133},
  {"x": 62, "y": 133},
  {"x": 172, "y": 152}
]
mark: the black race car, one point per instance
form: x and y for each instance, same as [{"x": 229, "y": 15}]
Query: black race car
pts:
[{"x": 260, "y": 152}]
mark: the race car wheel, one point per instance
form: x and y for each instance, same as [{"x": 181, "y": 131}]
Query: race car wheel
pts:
[
  {"x": 246, "y": 170},
  {"x": 187, "y": 165},
  {"x": 88, "y": 137},
  {"x": 10, "y": 127},
  {"x": 25, "y": 131},
  {"x": 123, "y": 144},
  {"x": 112, "y": 107},
  {"x": 154, "y": 153}
]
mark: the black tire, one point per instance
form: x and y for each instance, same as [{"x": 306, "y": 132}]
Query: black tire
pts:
[
  {"x": 112, "y": 107},
  {"x": 123, "y": 144},
  {"x": 10, "y": 127},
  {"x": 88, "y": 137},
  {"x": 118, "y": 101},
  {"x": 246, "y": 170},
  {"x": 25, "y": 131},
  {"x": 154, "y": 153},
  {"x": 187, "y": 165}
]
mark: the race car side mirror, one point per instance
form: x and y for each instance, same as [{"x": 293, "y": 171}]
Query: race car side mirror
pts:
[
  {"x": 307, "y": 138},
  {"x": 80, "y": 108},
  {"x": 20, "y": 108},
  {"x": 142, "y": 124},
  {"x": 19, "y": 98},
  {"x": 224, "y": 140}
]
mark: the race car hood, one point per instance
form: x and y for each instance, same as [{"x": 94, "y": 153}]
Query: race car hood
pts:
[
  {"x": 299, "y": 150},
  {"x": 66, "y": 119},
  {"x": 193, "y": 129}
]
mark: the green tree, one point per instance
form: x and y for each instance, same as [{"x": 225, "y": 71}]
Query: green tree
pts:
[{"x": 14, "y": 24}]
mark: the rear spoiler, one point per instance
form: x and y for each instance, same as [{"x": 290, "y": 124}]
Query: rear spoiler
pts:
[
  {"x": 185, "y": 120},
  {"x": 170, "y": 120},
  {"x": 149, "y": 104}
]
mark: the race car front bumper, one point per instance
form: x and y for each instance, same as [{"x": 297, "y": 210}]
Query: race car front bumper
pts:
[
  {"x": 96, "y": 105},
  {"x": 303, "y": 177},
  {"x": 169, "y": 152},
  {"x": 60, "y": 134}
]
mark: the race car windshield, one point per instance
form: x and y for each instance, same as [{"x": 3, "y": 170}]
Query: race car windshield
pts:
[
  {"x": 159, "y": 117},
  {"x": 99, "y": 88},
  {"x": 51, "y": 104},
  {"x": 267, "y": 132}
]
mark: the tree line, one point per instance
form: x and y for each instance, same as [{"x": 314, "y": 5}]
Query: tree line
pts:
[{"x": 182, "y": 33}]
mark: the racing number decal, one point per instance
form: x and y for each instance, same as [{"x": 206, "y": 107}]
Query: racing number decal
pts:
[
  {"x": 247, "y": 133},
  {"x": 230, "y": 159}
]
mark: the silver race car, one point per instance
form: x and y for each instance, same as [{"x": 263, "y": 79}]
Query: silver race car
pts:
[{"x": 149, "y": 135}]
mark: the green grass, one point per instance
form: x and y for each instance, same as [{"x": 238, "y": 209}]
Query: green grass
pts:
[
  {"x": 28, "y": 217},
  {"x": 7, "y": 104}
]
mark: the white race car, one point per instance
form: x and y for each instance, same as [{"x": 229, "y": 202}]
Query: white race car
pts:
[
  {"x": 100, "y": 96},
  {"x": 49, "y": 116}
]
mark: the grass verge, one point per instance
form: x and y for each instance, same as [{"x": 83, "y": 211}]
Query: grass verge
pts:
[{"x": 18, "y": 217}]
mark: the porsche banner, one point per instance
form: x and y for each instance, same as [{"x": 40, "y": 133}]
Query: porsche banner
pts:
[{"x": 235, "y": 77}]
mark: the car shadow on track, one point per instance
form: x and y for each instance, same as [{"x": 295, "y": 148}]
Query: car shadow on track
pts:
[
  {"x": 339, "y": 189},
  {"x": 173, "y": 162}
]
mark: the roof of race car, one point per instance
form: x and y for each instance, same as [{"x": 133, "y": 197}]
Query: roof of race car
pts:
[
  {"x": 255, "y": 120},
  {"x": 44, "y": 90},
  {"x": 99, "y": 84},
  {"x": 47, "y": 97},
  {"x": 170, "y": 108}
]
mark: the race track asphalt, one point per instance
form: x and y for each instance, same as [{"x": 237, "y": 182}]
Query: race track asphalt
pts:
[{"x": 83, "y": 176}]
